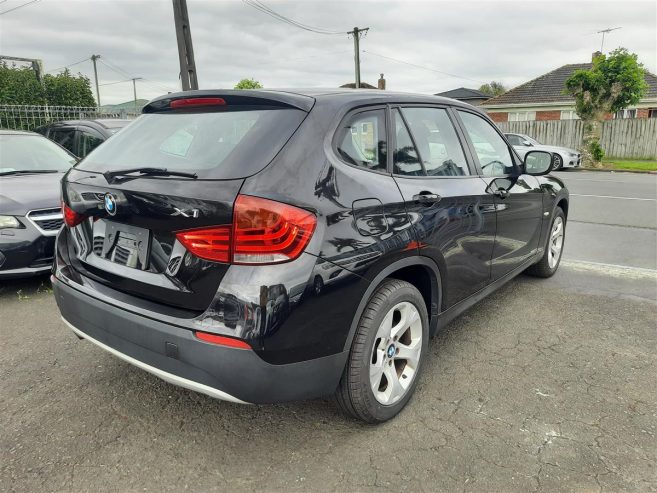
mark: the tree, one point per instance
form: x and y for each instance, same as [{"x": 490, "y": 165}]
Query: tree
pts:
[
  {"x": 19, "y": 85},
  {"x": 248, "y": 84},
  {"x": 613, "y": 83},
  {"x": 66, "y": 90},
  {"x": 493, "y": 89}
]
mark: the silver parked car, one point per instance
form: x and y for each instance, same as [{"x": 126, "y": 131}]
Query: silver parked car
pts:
[{"x": 563, "y": 156}]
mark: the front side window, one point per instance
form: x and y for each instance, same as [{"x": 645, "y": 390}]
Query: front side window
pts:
[
  {"x": 65, "y": 138},
  {"x": 88, "y": 142},
  {"x": 361, "y": 141},
  {"x": 436, "y": 141},
  {"x": 491, "y": 149}
]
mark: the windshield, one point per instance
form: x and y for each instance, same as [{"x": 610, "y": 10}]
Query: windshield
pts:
[
  {"x": 533, "y": 141},
  {"x": 233, "y": 143},
  {"x": 25, "y": 153}
]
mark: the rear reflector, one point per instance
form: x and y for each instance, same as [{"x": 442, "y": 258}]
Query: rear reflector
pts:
[
  {"x": 222, "y": 341},
  {"x": 263, "y": 232},
  {"x": 191, "y": 102},
  {"x": 71, "y": 218}
]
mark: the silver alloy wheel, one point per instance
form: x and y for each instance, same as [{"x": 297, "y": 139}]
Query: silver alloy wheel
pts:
[
  {"x": 557, "y": 162},
  {"x": 396, "y": 353},
  {"x": 555, "y": 242}
]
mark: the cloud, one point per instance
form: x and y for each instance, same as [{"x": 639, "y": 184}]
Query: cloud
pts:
[{"x": 478, "y": 41}]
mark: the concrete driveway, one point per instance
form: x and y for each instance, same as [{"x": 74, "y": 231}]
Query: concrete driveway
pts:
[{"x": 548, "y": 385}]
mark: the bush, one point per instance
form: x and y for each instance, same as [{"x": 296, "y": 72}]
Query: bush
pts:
[{"x": 597, "y": 152}]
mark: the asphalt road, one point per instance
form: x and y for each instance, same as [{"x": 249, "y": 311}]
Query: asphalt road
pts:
[{"x": 547, "y": 385}]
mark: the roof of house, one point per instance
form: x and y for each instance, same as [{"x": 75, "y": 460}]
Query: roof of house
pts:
[
  {"x": 463, "y": 93},
  {"x": 363, "y": 85},
  {"x": 549, "y": 88}
]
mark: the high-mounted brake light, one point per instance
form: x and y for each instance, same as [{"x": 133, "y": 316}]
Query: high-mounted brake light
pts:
[
  {"x": 71, "y": 218},
  {"x": 191, "y": 102},
  {"x": 263, "y": 232},
  {"x": 221, "y": 340}
]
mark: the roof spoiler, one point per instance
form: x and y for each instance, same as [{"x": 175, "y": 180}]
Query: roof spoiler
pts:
[{"x": 247, "y": 97}]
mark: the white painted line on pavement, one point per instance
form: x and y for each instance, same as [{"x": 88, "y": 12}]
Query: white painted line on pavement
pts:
[
  {"x": 610, "y": 197},
  {"x": 613, "y": 270}
]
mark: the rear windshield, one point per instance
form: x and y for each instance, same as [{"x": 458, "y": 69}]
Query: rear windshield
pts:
[
  {"x": 220, "y": 145},
  {"x": 21, "y": 152}
]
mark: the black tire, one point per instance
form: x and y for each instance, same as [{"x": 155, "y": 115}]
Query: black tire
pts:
[
  {"x": 318, "y": 285},
  {"x": 542, "y": 267},
  {"x": 354, "y": 394},
  {"x": 557, "y": 163}
]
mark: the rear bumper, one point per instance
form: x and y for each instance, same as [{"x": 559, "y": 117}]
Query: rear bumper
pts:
[{"x": 177, "y": 356}]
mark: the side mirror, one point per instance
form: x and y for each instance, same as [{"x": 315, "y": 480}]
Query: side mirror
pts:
[
  {"x": 526, "y": 143},
  {"x": 538, "y": 163}
]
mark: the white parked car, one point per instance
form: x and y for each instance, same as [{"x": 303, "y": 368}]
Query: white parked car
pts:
[{"x": 563, "y": 156}]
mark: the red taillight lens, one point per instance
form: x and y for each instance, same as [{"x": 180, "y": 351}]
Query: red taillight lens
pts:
[
  {"x": 71, "y": 218},
  {"x": 208, "y": 243},
  {"x": 221, "y": 340},
  {"x": 263, "y": 232},
  {"x": 191, "y": 102},
  {"x": 267, "y": 232}
]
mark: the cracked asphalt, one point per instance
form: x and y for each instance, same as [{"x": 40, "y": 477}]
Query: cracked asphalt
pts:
[{"x": 547, "y": 385}]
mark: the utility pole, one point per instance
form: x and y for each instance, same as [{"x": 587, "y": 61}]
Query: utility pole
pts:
[
  {"x": 357, "y": 33},
  {"x": 93, "y": 60},
  {"x": 134, "y": 90},
  {"x": 185, "y": 48}
]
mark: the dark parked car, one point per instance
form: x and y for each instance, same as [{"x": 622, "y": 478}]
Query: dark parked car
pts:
[
  {"x": 195, "y": 238},
  {"x": 31, "y": 167},
  {"x": 82, "y": 136}
]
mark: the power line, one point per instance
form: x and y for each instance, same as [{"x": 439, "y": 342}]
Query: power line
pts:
[
  {"x": 68, "y": 66},
  {"x": 258, "y": 5},
  {"x": 423, "y": 67},
  {"x": 112, "y": 83},
  {"x": 19, "y": 7}
]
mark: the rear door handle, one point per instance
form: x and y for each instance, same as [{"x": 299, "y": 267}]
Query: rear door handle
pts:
[{"x": 426, "y": 198}]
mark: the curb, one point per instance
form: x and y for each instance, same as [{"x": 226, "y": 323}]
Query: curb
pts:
[{"x": 614, "y": 170}]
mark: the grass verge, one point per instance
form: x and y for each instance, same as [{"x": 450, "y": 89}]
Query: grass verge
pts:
[{"x": 630, "y": 164}]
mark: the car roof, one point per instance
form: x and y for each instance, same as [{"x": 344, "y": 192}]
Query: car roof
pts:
[{"x": 305, "y": 98}]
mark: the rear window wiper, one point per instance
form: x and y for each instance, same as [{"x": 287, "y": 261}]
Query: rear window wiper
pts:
[
  {"x": 146, "y": 171},
  {"x": 28, "y": 171}
]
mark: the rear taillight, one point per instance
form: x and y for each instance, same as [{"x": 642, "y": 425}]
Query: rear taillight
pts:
[
  {"x": 71, "y": 218},
  {"x": 263, "y": 232}
]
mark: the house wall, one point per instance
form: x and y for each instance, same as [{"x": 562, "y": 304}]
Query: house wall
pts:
[
  {"x": 548, "y": 115},
  {"x": 499, "y": 117},
  {"x": 634, "y": 138},
  {"x": 546, "y": 112}
]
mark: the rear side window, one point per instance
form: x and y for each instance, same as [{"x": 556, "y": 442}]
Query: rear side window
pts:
[
  {"x": 65, "y": 138},
  {"x": 233, "y": 143},
  {"x": 361, "y": 140},
  {"x": 89, "y": 140},
  {"x": 405, "y": 159},
  {"x": 437, "y": 142}
]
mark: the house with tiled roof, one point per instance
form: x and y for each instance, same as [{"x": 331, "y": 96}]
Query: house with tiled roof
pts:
[
  {"x": 471, "y": 96},
  {"x": 543, "y": 98}
]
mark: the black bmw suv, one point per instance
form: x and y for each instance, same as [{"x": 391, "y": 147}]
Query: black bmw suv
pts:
[{"x": 267, "y": 246}]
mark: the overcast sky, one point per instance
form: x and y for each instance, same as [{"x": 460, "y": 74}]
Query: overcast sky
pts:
[{"x": 477, "y": 41}]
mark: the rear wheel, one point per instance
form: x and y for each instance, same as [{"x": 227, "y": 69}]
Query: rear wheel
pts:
[
  {"x": 549, "y": 263},
  {"x": 386, "y": 355}
]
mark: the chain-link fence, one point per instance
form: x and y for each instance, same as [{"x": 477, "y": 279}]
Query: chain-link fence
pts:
[{"x": 24, "y": 117}]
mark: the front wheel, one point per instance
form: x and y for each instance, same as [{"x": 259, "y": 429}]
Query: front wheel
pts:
[
  {"x": 549, "y": 263},
  {"x": 557, "y": 163},
  {"x": 387, "y": 353}
]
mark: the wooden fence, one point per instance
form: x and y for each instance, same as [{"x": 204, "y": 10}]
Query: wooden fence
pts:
[{"x": 634, "y": 138}]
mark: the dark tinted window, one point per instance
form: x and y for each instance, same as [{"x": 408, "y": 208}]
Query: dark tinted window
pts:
[
  {"x": 515, "y": 140},
  {"x": 437, "y": 142},
  {"x": 65, "y": 138},
  {"x": 89, "y": 140},
  {"x": 405, "y": 158},
  {"x": 32, "y": 152},
  {"x": 491, "y": 149},
  {"x": 361, "y": 141},
  {"x": 236, "y": 142}
]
